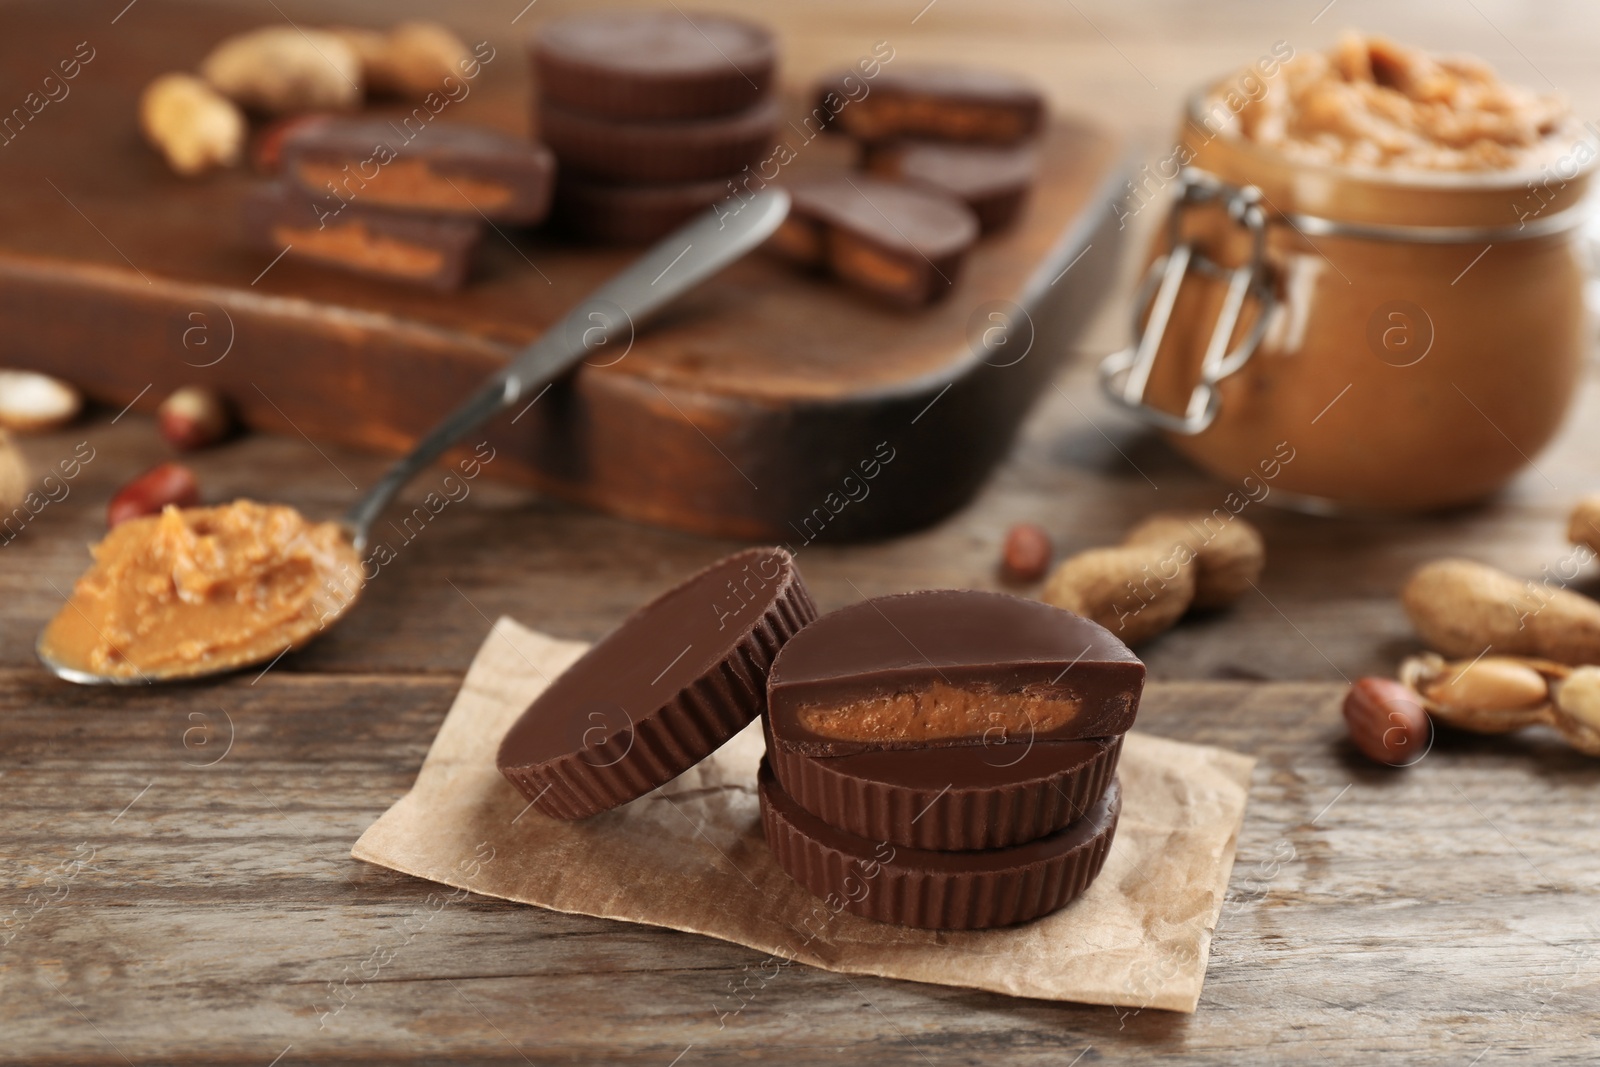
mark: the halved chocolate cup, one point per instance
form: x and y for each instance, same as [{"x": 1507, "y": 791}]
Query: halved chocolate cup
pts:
[
  {"x": 950, "y": 667},
  {"x": 677, "y": 679},
  {"x": 937, "y": 890}
]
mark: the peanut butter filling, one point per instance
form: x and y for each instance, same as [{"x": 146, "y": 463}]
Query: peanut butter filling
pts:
[
  {"x": 407, "y": 183},
  {"x": 355, "y": 244},
  {"x": 802, "y": 240},
  {"x": 940, "y": 712},
  {"x": 879, "y": 117},
  {"x": 200, "y": 589},
  {"x": 858, "y": 261},
  {"x": 1372, "y": 103}
]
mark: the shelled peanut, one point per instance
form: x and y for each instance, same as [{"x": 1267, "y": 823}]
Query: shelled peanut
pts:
[
  {"x": 1508, "y": 653},
  {"x": 1167, "y": 565},
  {"x": 1499, "y": 694}
]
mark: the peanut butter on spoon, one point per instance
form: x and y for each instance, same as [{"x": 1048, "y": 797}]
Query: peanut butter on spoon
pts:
[{"x": 195, "y": 591}]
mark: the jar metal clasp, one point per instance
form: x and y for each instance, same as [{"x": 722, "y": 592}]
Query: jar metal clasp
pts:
[{"x": 1125, "y": 375}]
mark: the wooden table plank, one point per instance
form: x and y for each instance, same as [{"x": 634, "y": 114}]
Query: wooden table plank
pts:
[
  {"x": 1443, "y": 915},
  {"x": 1442, "y": 912}
]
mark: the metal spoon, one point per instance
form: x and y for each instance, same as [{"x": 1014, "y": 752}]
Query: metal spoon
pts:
[{"x": 676, "y": 264}]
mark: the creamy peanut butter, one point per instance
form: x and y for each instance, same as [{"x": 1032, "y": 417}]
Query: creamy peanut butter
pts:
[
  {"x": 197, "y": 590},
  {"x": 357, "y": 245},
  {"x": 940, "y": 711},
  {"x": 1371, "y": 103},
  {"x": 408, "y": 183}
]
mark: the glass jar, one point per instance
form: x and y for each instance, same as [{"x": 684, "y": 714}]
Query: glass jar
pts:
[{"x": 1408, "y": 340}]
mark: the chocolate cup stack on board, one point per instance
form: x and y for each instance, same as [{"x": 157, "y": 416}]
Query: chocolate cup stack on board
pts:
[
  {"x": 397, "y": 200},
  {"x": 942, "y": 759},
  {"x": 652, "y": 114},
  {"x": 947, "y": 159}
]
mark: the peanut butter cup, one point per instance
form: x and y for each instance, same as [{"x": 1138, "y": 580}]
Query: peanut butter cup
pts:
[
  {"x": 954, "y": 798},
  {"x": 651, "y": 66},
  {"x": 938, "y": 890},
  {"x": 944, "y": 103},
  {"x": 678, "y": 678},
  {"x": 433, "y": 251},
  {"x": 949, "y": 667},
  {"x": 992, "y": 180},
  {"x": 902, "y": 244},
  {"x": 441, "y": 169},
  {"x": 638, "y": 152}
]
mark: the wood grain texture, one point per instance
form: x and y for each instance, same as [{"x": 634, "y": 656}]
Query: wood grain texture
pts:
[
  {"x": 738, "y": 412},
  {"x": 1436, "y": 916}
]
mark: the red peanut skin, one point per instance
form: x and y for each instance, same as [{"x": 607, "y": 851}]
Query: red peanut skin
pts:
[
  {"x": 1026, "y": 555},
  {"x": 168, "y": 483},
  {"x": 1387, "y": 722}
]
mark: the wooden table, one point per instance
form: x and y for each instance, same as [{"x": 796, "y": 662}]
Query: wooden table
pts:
[{"x": 175, "y": 863}]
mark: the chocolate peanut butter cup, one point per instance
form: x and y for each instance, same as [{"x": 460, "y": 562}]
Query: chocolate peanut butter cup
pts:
[
  {"x": 433, "y": 251},
  {"x": 630, "y": 214},
  {"x": 641, "y": 152},
  {"x": 903, "y": 244},
  {"x": 651, "y": 66},
  {"x": 949, "y": 667},
  {"x": 441, "y": 168},
  {"x": 951, "y": 799},
  {"x": 937, "y": 890},
  {"x": 943, "y": 103},
  {"x": 993, "y": 181},
  {"x": 678, "y": 678}
]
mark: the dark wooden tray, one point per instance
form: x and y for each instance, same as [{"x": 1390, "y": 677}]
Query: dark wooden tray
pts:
[{"x": 739, "y": 413}]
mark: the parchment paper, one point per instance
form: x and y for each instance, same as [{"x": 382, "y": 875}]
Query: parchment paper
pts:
[{"x": 691, "y": 856}]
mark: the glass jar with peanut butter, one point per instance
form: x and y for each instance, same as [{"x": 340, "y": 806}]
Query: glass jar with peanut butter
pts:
[{"x": 1371, "y": 278}]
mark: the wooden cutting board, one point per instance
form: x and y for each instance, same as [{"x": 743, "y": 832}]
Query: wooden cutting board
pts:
[{"x": 740, "y": 412}]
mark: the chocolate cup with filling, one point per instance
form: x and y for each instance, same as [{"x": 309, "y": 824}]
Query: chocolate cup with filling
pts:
[
  {"x": 657, "y": 695},
  {"x": 903, "y": 244},
  {"x": 948, "y": 667},
  {"x": 992, "y": 181},
  {"x": 941, "y": 103},
  {"x": 629, "y": 214},
  {"x": 658, "y": 152},
  {"x": 937, "y": 890},
  {"x": 652, "y": 66},
  {"x": 951, "y": 799},
  {"x": 438, "y": 169},
  {"x": 435, "y": 252}
]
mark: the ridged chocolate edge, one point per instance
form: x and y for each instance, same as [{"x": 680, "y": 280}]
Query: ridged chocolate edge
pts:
[
  {"x": 631, "y": 214},
  {"x": 948, "y": 820},
  {"x": 581, "y": 88},
  {"x": 934, "y": 900},
  {"x": 645, "y": 153},
  {"x": 687, "y": 729}
]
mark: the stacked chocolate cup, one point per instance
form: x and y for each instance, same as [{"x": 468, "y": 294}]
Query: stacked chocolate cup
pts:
[
  {"x": 396, "y": 200},
  {"x": 942, "y": 759},
  {"x": 947, "y": 759},
  {"x": 653, "y": 115}
]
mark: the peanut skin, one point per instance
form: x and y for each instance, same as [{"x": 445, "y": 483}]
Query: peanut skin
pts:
[
  {"x": 1460, "y": 608},
  {"x": 1387, "y": 722}
]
